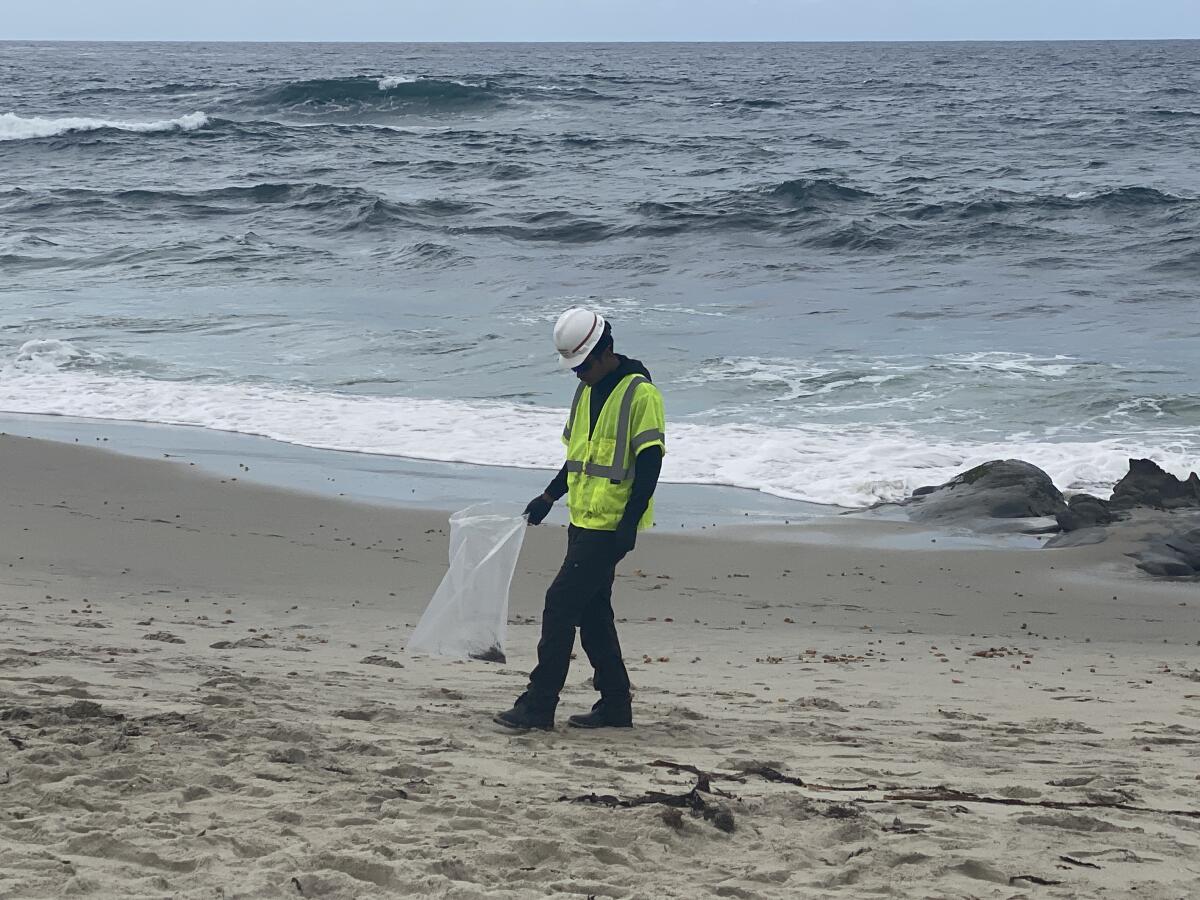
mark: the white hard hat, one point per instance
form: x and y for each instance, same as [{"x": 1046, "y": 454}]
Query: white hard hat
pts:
[{"x": 576, "y": 334}]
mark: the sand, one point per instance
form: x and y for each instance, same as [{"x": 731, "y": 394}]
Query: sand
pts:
[{"x": 204, "y": 693}]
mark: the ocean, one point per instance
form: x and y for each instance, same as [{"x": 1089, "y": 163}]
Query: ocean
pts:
[{"x": 853, "y": 269}]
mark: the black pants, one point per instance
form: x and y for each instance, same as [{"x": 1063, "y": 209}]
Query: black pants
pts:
[{"x": 580, "y": 596}]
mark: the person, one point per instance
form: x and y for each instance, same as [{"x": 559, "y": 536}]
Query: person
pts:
[{"x": 615, "y": 439}]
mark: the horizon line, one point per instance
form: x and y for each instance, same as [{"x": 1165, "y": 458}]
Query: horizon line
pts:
[{"x": 964, "y": 40}]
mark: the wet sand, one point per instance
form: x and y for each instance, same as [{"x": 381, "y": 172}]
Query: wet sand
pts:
[{"x": 204, "y": 692}]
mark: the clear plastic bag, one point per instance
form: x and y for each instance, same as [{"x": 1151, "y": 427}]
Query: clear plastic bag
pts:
[{"x": 468, "y": 615}]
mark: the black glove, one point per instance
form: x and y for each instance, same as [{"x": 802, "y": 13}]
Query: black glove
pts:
[
  {"x": 624, "y": 538},
  {"x": 538, "y": 509}
]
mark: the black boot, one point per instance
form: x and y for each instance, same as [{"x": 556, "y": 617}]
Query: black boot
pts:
[
  {"x": 605, "y": 714},
  {"x": 527, "y": 714}
]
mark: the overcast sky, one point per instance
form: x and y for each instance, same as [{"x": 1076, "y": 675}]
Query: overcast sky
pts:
[{"x": 598, "y": 20}]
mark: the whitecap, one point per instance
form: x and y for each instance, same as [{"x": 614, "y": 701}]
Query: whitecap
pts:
[
  {"x": 46, "y": 355},
  {"x": 393, "y": 81},
  {"x": 1015, "y": 365},
  {"x": 20, "y": 128}
]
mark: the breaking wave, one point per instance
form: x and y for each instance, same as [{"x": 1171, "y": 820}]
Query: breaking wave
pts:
[
  {"x": 20, "y": 128},
  {"x": 367, "y": 94},
  {"x": 846, "y": 466}
]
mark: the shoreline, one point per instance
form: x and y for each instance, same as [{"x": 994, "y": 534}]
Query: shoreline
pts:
[
  {"x": 204, "y": 689},
  {"x": 372, "y": 478},
  {"x": 446, "y": 487}
]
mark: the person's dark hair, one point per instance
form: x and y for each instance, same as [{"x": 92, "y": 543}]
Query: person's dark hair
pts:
[{"x": 605, "y": 342}]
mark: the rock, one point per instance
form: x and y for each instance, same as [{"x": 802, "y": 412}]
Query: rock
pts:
[
  {"x": 1156, "y": 512},
  {"x": 13, "y": 662},
  {"x": 842, "y": 811},
  {"x": 722, "y": 817},
  {"x": 1146, "y": 484},
  {"x": 1083, "y": 537},
  {"x": 821, "y": 703},
  {"x": 87, "y": 709},
  {"x": 358, "y": 715},
  {"x": 165, "y": 636},
  {"x": 291, "y": 756},
  {"x": 1174, "y": 556},
  {"x": 1000, "y": 489},
  {"x": 253, "y": 642},
  {"x": 1086, "y": 511},
  {"x": 375, "y": 660}
]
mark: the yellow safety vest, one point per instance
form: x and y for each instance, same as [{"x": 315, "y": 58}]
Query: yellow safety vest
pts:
[{"x": 600, "y": 467}]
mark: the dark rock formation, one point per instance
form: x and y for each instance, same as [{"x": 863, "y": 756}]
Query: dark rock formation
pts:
[
  {"x": 1152, "y": 517},
  {"x": 1148, "y": 485},
  {"x": 1173, "y": 556},
  {"x": 1085, "y": 511},
  {"x": 1000, "y": 489},
  {"x": 1083, "y": 537}
]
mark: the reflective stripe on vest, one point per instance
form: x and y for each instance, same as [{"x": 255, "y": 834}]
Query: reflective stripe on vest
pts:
[
  {"x": 571, "y": 415},
  {"x": 618, "y": 471},
  {"x": 649, "y": 436}
]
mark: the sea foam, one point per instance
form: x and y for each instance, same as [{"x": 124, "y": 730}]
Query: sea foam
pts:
[
  {"x": 393, "y": 81},
  {"x": 45, "y": 355},
  {"x": 848, "y": 466},
  {"x": 20, "y": 128}
]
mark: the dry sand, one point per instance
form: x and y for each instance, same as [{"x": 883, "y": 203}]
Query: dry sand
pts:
[{"x": 203, "y": 693}]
